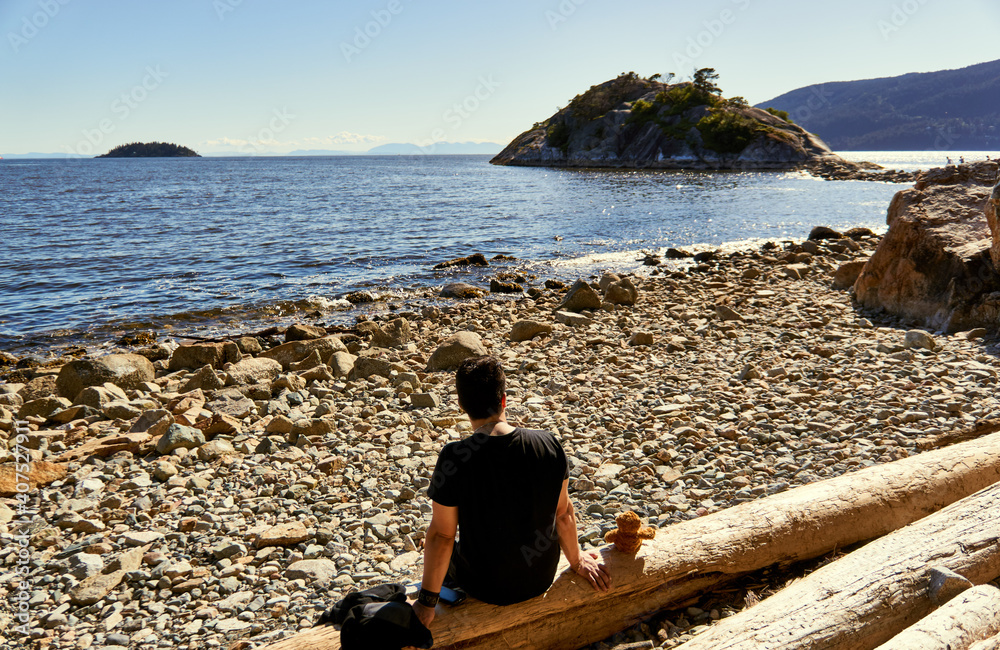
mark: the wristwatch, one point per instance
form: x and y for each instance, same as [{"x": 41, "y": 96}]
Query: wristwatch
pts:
[{"x": 428, "y": 598}]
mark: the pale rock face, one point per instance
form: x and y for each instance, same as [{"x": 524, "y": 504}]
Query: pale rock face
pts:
[
  {"x": 293, "y": 351},
  {"x": 933, "y": 264},
  {"x": 200, "y": 354},
  {"x": 454, "y": 350},
  {"x": 252, "y": 371},
  {"x": 524, "y": 330},
  {"x": 622, "y": 292},
  {"x": 127, "y": 371}
]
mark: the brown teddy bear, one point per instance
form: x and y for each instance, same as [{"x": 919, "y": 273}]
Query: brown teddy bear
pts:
[{"x": 628, "y": 537}]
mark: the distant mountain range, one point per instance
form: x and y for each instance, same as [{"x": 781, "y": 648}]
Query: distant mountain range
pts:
[
  {"x": 395, "y": 149},
  {"x": 408, "y": 149},
  {"x": 946, "y": 110}
]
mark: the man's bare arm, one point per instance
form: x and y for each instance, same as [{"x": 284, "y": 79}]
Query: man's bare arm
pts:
[
  {"x": 438, "y": 543},
  {"x": 585, "y": 564}
]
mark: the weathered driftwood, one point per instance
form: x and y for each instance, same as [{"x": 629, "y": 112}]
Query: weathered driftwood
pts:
[
  {"x": 971, "y": 616},
  {"x": 992, "y": 643},
  {"x": 978, "y": 430},
  {"x": 689, "y": 557},
  {"x": 872, "y": 594}
]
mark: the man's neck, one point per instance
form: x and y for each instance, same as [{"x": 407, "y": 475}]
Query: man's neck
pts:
[{"x": 493, "y": 425}]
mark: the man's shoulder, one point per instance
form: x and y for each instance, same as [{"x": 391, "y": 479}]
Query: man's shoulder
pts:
[
  {"x": 535, "y": 433},
  {"x": 540, "y": 438}
]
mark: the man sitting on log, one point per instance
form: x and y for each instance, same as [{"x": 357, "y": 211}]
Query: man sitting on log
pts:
[{"x": 505, "y": 489}]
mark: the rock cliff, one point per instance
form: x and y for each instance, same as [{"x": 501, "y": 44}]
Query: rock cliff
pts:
[
  {"x": 934, "y": 264},
  {"x": 631, "y": 122}
]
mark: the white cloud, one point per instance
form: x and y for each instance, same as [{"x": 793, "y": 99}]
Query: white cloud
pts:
[
  {"x": 345, "y": 137},
  {"x": 226, "y": 142}
]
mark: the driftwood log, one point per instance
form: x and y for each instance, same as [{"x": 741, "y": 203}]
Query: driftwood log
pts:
[
  {"x": 987, "y": 644},
  {"x": 874, "y": 593},
  {"x": 972, "y": 616},
  {"x": 690, "y": 557}
]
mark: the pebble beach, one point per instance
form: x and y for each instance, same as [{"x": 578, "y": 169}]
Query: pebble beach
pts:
[{"x": 253, "y": 496}]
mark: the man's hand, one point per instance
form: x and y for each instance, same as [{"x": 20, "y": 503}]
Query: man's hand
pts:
[
  {"x": 424, "y": 613},
  {"x": 595, "y": 573}
]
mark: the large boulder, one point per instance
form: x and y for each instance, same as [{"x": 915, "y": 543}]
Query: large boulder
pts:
[
  {"x": 580, "y": 296},
  {"x": 252, "y": 371},
  {"x": 321, "y": 570},
  {"x": 342, "y": 363},
  {"x": 204, "y": 379},
  {"x": 302, "y": 332},
  {"x": 365, "y": 367},
  {"x": 525, "y": 330},
  {"x": 42, "y": 407},
  {"x": 460, "y": 290},
  {"x": 934, "y": 264},
  {"x": 454, "y": 350},
  {"x": 179, "y": 436},
  {"x": 393, "y": 334},
  {"x": 99, "y": 397},
  {"x": 293, "y": 351},
  {"x": 127, "y": 371},
  {"x": 38, "y": 387},
  {"x": 847, "y": 274},
  {"x": 622, "y": 292},
  {"x": 202, "y": 354}
]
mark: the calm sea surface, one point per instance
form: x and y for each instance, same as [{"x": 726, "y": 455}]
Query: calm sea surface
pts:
[{"x": 98, "y": 247}]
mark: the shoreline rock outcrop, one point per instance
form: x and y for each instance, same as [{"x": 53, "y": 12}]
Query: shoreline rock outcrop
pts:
[{"x": 934, "y": 264}]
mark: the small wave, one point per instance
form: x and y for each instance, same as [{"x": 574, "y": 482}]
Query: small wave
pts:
[{"x": 322, "y": 302}]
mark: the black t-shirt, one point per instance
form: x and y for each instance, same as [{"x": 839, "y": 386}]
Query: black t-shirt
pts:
[{"x": 506, "y": 489}]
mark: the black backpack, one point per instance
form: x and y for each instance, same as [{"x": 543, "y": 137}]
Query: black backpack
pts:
[{"x": 377, "y": 619}]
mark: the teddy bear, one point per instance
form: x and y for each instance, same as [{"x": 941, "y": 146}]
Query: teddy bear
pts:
[{"x": 628, "y": 537}]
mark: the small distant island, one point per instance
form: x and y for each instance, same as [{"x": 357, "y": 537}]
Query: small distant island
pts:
[
  {"x": 639, "y": 123},
  {"x": 150, "y": 150}
]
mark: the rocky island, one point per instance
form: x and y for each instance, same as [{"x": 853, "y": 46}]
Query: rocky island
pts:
[
  {"x": 638, "y": 123},
  {"x": 150, "y": 150}
]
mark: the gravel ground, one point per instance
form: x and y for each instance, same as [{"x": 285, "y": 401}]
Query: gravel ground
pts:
[{"x": 736, "y": 378}]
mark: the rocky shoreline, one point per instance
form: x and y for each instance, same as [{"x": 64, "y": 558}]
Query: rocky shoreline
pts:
[{"x": 225, "y": 494}]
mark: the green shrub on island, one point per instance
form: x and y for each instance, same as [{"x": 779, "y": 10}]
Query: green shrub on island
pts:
[
  {"x": 781, "y": 115},
  {"x": 727, "y": 132},
  {"x": 150, "y": 150},
  {"x": 683, "y": 97},
  {"x": 643, "y": 111},
  {"x": 600, "y": 99},
  {"x": 558, "y": 135}
]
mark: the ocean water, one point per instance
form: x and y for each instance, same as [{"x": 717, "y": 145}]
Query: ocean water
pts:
[{"x": 95, "y": 248}]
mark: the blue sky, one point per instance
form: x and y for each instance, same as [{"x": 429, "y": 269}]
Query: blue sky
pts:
[{"x": 254, "y": 76}]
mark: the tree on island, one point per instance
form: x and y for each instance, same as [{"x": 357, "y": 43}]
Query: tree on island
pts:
[
  {"x": 704, "y": 80},
  {"x": 150, "y": 150}
]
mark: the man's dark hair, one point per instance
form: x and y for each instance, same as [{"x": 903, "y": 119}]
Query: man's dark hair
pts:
[{"x": 480, "y": 384}]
